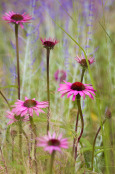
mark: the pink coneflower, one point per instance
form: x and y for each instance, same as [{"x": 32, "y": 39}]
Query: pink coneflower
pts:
[
  {"x": 14, "y": 118},
  {"x": 76, "y": 88},
  {"x": 49, "y": 43},
  {"x": 60, "y": 75},
  {"x": 83, "y": 62},
  {"x": 17, "y": 18},
  {"x": 51, "y": 143},
  {"x": 28, "y": 106}
]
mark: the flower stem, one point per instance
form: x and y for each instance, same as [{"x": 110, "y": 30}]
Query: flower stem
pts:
[
  {"x": 18, "y": 80},
  {"x": 82, "y": 75},
  {"x": 20, "y": 141},
  {"x": 17, "y": 55},
  {"x": 48, "y": 92},
  {"x": 5, "y": 99},
  {"x": 51, "y": 162},
  {"x": 12, "y": 149},
  {"x": 77, "y": 118},
  {"x": 28, "y": 147},
  {"x": 82, "y": 122},
  {"x": 34, "y": 131},
  {"x": 76, "y": 126},
  {"x": 95, "y": 142}
]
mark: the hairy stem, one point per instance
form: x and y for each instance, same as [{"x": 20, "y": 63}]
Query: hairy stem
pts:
[
  {"x": 93, "y": 150},
  {"x": 82, "y": 124},
  {"x": 48, "y": 92},
  {"x": 34, "y": 131}
]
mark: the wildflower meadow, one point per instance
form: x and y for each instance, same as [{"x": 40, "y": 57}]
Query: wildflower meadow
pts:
[{"x": 57, "y": 87}]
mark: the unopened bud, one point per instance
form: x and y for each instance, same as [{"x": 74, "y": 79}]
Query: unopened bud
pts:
[
  {"x": 13, "y": 133},
  {"x": 108, "y": 113}
]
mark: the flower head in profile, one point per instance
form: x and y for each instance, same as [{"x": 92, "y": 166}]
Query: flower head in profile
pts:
[
  {"x": 82, "y": 61},
  {"x": 15, "y": 118},
  {"x": 76, "y": 88},
  {"x": 49, "y": 43},
  {"x": 108, "y": 113},
  {"x": 28, "y": 106},
  {"x": 17, "y": 18},
  {"x": 60, "y": 75},
  {"x": 51, "y": 143}
]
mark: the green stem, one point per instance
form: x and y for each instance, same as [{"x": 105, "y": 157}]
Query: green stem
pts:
[
  {"x": 48, "y": 92},
  {"x": 77, "y": 118},
  {"x": 51, "y": 162},
  {"x": 95, "y": 142},
  {"x": 82, "y": 124},
  {"x": 34, "y": 131},
  {"x": 17, "y": 55},
  {"x": 5, "y": 99}
]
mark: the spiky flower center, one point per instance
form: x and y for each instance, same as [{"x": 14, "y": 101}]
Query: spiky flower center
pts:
[
  {"x": 49, "y": 43},
  {"x": 84, "y": 63},
  {"x": 78, "y": 86},
  {"x": 53, "y": 142},
  {"x": 30, "y": 103},
  {"x": 17, "y": 17}
]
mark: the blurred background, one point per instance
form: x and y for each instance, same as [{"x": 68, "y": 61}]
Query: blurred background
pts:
[{"x": 91, "y": 24}]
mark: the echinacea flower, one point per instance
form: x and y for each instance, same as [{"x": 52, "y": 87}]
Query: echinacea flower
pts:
[
  {"x": 49, "y": 43},
  {"x": 14, "y": 118},
  {"x": 76, "y": 88},
  {"x": 51, "y": 143},
  {"x": 17, "y": 18},
  {"x": 28, "y": 106},
  {"x": 60, "y": 75},
  {"x": 82, "y": 61}
]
